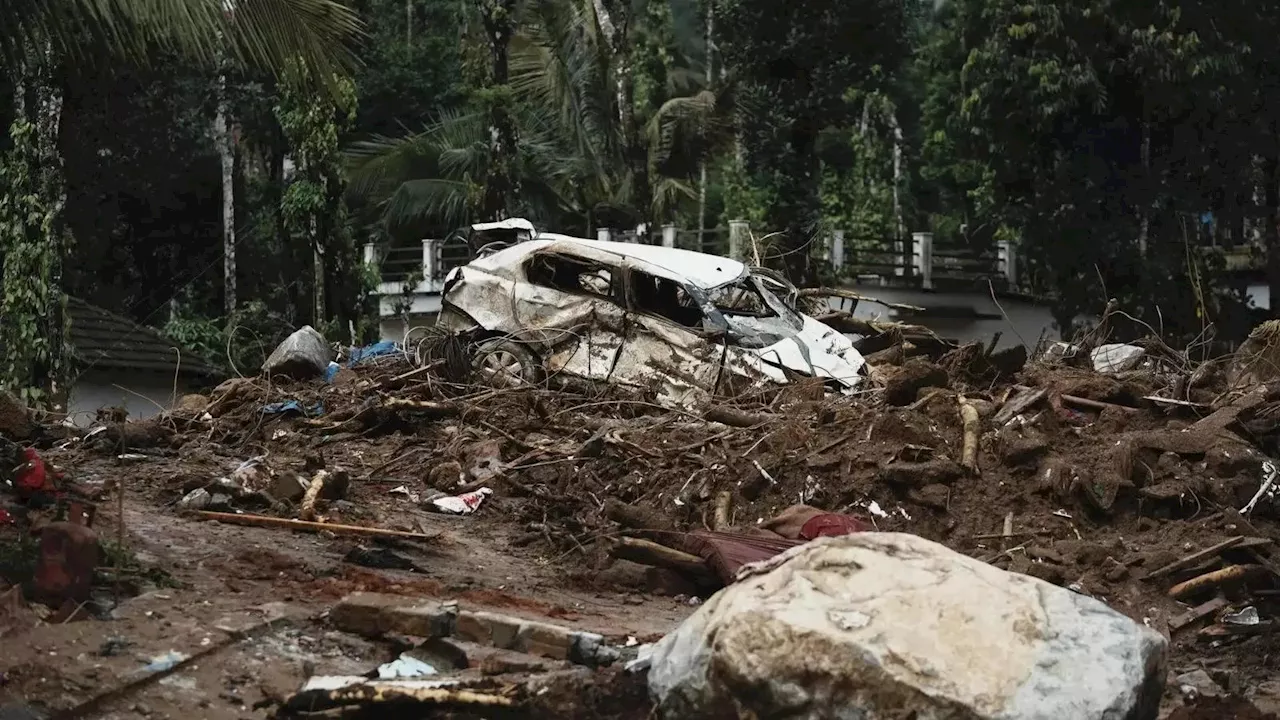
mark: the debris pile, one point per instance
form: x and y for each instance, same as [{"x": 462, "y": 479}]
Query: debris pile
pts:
[{"x": 1126, "y": 475}]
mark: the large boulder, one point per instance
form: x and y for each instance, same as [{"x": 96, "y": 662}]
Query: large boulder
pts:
[
  {"x": 302, "y": 355},
  {"x": 877, "y": 626}
]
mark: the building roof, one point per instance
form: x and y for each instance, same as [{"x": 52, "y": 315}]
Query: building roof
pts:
[{"x": 106, "y": 341}]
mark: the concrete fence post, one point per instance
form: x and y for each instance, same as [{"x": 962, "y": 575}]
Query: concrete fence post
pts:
[
  {"x": 669, "y": 235},
  {"x": 370, "y": 254},
  {"x": 430, "y": 263},
  {"x": 739, "y": 238},
  {"x": 604, "y": 234},
  {"x": 837, "y": 250},
  {"x": 1008, "y": 257},
  {"x": 922, "y": 257}
]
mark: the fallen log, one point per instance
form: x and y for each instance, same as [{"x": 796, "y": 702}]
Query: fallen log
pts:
[
  {"x": 736, "y": 417},
  {"x": 720, "y": 520},
  {"x": 655, "y": 555},
  {"x": 1195, "y": 557},
  {"x": 430, "y": 408},
  {"x": 633, "y": 517},
  {"x": 1197, "y": 613},
  {"x": 1095, "y": 404},
  {"x": 1213, "y": 579},
  {"x": 303, "y": 525},
  {"x": 308, "y": 510}
]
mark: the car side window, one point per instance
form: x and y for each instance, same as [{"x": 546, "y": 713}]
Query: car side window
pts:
[
  {"x": 571, "y": 275},
  {"x": 664, "y": 298}
]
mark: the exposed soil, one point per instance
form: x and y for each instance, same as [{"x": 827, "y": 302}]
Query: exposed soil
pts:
[{"x": 1096, "y": 500}]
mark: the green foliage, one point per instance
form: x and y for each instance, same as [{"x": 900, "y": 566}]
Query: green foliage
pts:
[
  {"x": 235, "y": 345},
  {"x": 797, "y": 62},
  {"x": 32, "y": 359},
  {"x": 312, "y": 206}
]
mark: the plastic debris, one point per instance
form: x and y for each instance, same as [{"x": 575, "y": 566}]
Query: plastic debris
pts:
[
  {"x": 167, "y": 661},
  {"x": 370, "y": 352},
  {"x": 293, "y": 406},
  {"x": 463, "y": 504},
  {"x": 405, "y": 666},
  {"x": 1246, "y": 616}
]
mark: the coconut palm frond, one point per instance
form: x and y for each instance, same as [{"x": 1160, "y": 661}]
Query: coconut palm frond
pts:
[{"x": 265, "y": 34}]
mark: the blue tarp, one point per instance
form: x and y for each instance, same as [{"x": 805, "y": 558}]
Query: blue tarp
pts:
[
  {"x": 368, "y": 352},
  {"x": 292, "y": 406}
]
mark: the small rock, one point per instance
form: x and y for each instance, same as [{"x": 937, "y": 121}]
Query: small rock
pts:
[
  {"x": 445, "y": 475},
  {"x": 1116, "y": 358},
  {"x": 288, "y": 486},
  {"x": 1046, "y": 554},
  {"x": 197, "y": 499},
  {"x": 934, "y": 472},
  {"x": 936, "y": 496},
  {"x": 1116, "y": 571},
  {"x": 1197, "y": 683},
  {"x": 903, "y": 383},
  {"x": 1049, "y": 572},
  {"x": 634, "y": 600},
  {"x": 1020, "y": 451}
]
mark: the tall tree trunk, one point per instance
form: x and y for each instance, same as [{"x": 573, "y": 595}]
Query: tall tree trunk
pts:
[
  {"x": 702, "y": 163},
  {"x": 54, "y": 189},
  {"x": 899, "y": 223},
  {"x": 502, "y": 185},
  {"x": 226, "y": 155},
  {"x": 1271, "y": 194}
]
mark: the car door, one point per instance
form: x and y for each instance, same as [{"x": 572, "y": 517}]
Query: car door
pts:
[
  {"x": 569, "y": 309},
  {"x": 669, "y": 347}
]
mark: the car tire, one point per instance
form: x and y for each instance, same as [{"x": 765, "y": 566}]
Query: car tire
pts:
[{"x": 499, "y": 362}]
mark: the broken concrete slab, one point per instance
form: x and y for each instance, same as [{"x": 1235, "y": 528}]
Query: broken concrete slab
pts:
[
  {"x": 888, "y": 625},
  {"x": 376, "y": 614}
]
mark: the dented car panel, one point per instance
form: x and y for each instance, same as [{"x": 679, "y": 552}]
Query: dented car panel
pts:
[{"x": 671, "y": 321}]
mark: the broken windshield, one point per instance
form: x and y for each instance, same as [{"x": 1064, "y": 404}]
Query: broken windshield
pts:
[{"x": 755, "y": 315}]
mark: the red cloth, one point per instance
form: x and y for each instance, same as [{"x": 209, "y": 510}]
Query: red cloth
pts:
[
  {"x": 832, "y": 525},
  {"x": 34, "y": 476}
]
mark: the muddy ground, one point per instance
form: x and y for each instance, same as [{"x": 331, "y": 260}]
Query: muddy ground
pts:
[{"x": 1086, "y": 501}]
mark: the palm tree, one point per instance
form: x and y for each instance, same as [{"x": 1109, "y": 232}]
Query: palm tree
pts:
[
  {"x": 40, "y": 37},
  {"x": 261, "y": 33},
  {"x": 585, "y": 150}
]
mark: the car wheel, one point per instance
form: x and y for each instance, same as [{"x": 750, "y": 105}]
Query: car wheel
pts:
[{"x": 504, "y": 363}]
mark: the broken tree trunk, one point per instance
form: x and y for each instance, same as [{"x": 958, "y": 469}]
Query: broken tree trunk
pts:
[
  {"x": 308, "y": 511},
  {"x": 1208, "y": 581},
  {"x": 737, "y": 418},
  {"x": 720, "y": 521},
  {"x": 655, "y": 555},
  {"x": 972, "y": 422}
]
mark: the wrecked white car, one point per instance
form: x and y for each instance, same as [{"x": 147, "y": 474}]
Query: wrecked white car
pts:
[{"x": 681, "y": 324}]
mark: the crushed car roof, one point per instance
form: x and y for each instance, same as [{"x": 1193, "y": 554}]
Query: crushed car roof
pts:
[{"x": 701, "y": 270}]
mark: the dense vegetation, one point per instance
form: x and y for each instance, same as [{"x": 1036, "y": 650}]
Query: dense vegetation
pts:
[{"x": 217, "y": 174}]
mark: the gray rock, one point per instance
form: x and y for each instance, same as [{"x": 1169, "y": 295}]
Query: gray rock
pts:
[
  {"x": 1116, "y": 357},
  {"x": 302, "y": 355},
  {"x": 197, "y": 499},
  {"x": 876, "y": 626},
  {"x": 1197, "y": 683}
]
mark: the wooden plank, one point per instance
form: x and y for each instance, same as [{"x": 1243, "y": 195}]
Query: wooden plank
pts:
[
  {"x": 287, "y": 524},
  {"x": 1196, "y": 557},
  {"x": 1198, "y": 612}
]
